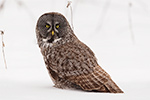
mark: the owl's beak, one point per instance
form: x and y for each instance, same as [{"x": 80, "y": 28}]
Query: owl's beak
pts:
[{"x": 53, "y": 32}]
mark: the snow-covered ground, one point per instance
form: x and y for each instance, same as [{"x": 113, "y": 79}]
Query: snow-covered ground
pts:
[{"x": 101, "y": 24}]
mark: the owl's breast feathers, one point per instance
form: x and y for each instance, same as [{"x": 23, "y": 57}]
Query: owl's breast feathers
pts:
[{"x": 76, "y": 63}]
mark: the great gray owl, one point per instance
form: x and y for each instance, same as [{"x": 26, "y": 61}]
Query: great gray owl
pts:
[{"x": 70, "y": 63}]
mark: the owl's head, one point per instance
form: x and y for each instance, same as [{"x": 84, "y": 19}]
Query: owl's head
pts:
[{"x": 52, "y": 26}]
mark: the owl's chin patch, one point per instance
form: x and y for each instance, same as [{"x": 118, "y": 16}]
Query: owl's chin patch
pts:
[{"x": 50, "y": 40}]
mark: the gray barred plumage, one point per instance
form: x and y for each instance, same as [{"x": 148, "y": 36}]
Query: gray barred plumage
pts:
[{"x": 71, "y": 64}]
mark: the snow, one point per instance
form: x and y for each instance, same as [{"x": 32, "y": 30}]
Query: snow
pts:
[{"x": 101, "y": 24}]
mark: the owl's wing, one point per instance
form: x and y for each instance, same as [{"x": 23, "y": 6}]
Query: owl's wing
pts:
[
  {"x": 98, "y": 80},
  {"x": 79, "y": 66}
]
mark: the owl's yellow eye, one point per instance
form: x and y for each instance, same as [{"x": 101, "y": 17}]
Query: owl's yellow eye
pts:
[
  {"x": 47, "y": 26},
  {"x": 57, "y": 26}
]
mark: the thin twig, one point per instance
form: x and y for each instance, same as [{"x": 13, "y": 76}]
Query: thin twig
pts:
[
  {"x": 69, "y": 5},
  {"x": 130, "y": 22},
  {"x": 3, "y": 45}
]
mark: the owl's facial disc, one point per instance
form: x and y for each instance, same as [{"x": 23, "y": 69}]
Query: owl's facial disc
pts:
[
  {"x": 51, "y": 27},
  {"x": 51, "y": 35},
  {"x": 53, "y": 32}
]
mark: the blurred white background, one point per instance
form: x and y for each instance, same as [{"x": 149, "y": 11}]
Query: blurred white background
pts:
[{"x": 118, "y": 31}]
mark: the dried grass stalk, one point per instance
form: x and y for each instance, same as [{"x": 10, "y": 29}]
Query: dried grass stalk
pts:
[
  {"x": 69, "y": 5},
  {"x": 3, "y": 45},
  {"x": 130, "y": 23}
]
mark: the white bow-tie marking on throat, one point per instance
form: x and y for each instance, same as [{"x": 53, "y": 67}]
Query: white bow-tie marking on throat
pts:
[{"x": 50, "y": 44}]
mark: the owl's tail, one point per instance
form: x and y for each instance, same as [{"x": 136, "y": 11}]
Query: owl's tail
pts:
[{"x": 112, "y": 87}]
